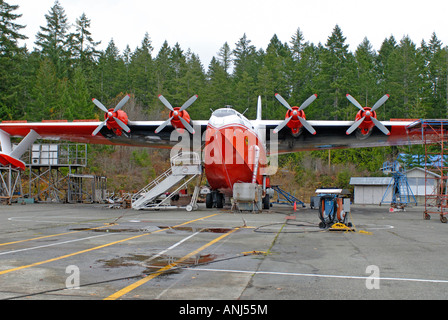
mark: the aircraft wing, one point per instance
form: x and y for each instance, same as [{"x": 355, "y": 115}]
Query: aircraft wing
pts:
[
  {"x": 333, "y": 135},
  {"x": 142, "y": 133}
]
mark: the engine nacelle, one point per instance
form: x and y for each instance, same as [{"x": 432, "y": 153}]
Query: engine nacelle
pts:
[
  {"x": 112, "y": 123},
  {"x": 294, "y": 124},
  {"x": 366, "y": 126},
  {"x": 176, "y": 116}
]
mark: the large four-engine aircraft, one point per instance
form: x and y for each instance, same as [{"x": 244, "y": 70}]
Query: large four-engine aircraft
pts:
[{"x": 235, "y": 149}]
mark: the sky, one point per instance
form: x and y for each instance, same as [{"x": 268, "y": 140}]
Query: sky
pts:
[{"x": 203, "y": 26}]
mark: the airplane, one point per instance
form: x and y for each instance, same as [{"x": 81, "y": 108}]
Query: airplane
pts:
[{"x": 235, "y": 149}]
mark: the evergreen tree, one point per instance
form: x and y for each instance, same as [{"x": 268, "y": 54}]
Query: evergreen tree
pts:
[
  {"x": 142, "y": 72},
  {"x": 54, "y": 41},
  {"x": 163, "y": 73},
  {"x": 225, "y": 57},
  {"x": 244, "y": 57},
  {"x": 84, "y": 47},
  {"x": 111, "y": 72},
  {"x": 366, "y": 84},
  {"x": 337, "y": 74},
  {"x": 403, "y": 80},
  {"x": 12, "y": 59}
]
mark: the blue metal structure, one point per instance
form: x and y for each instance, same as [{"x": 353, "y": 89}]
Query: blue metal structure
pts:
[
  {"x": 287, "y": 197},
  {"x": 401, "y": 193}
]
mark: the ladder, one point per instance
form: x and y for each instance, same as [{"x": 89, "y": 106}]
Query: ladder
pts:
[{"x": 183, "y": 165}]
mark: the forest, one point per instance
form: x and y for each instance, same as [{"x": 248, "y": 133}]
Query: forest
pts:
[{"x": 58, "y": 78}]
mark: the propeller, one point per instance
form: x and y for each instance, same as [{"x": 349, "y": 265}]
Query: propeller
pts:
[
  {"x": 368, "y": 114},
  {"x": 177, "y": 114},
  {"x": 111, "y": 115},
  {"x": 295, "y": 113}
]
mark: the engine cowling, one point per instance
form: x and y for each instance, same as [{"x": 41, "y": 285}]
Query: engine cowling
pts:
[
  {"x": 115, "y": 119},
  {"x": 295, "y": 116},
  {"x": 366, "y": 117},
  {"x": 178, "y": 117}
]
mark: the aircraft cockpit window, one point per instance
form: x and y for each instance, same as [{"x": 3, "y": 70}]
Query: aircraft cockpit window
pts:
[{"x": 224, "y": 113}]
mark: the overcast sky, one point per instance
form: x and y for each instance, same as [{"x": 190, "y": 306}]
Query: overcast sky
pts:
[{"x": 204, "y": 25}]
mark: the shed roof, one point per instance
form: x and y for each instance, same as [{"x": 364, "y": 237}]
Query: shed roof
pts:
[{"x": 370, "y": 181}]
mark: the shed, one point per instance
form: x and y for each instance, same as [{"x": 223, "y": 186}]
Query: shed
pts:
[{"x": 370, "y": 190}]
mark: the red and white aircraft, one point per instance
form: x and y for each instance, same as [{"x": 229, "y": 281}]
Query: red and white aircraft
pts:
[{"x": 236, "y": 148}]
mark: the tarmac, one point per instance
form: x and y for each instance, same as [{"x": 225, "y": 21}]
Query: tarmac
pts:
[{"x": 93, "y": 252}]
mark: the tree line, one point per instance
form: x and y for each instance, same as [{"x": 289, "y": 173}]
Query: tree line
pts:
[
  {"x": 65, "y": 70},
  {"x": 58, "y": 78}
]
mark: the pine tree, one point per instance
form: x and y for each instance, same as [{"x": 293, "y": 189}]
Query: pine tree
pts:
[
  {"x": 225, "y": 57},
  {"x": 54, "y": 41},
  {"x": 337, "y": 73},
  {"x": 142, "y": 72},
  {"x": 366, "y": 85},
  {"x": 402, "y": 78},
  {"x": 244, "y": 58},
  {"x": 111, "y": 72},
  {"x": 84, "y": 47},
  {"x": 12, "y": 59}
]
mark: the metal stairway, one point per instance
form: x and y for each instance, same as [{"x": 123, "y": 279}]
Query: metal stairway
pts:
[{"x": 182, "y": 165}]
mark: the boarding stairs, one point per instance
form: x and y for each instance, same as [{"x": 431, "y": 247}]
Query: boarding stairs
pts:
[{"x": 185, "y": 167}]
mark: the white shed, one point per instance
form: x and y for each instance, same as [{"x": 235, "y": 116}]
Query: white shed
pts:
[{"x": 370, "y": 190}]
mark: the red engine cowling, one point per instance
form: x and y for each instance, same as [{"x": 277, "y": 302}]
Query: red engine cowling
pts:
[
  {"x": 367, "y": 124},
  {"x": 112, "y": 124},
  {"x": 294, "y": 124}
]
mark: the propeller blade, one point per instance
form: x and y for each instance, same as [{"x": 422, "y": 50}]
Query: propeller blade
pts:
[
  {"x": 100, "y": 105},
  {"x": 380, "y": 126},
  {"x": 356, "y": 103},
  {"x": 166, "y": 103},
  {"x": 186, "y": 125},
  {"x": 380, "y": 102},
  {"x": 308, "y": 102},
  {"x": 307, "y": 125},
  {"x": 355, "y": 125},
  {"x": 188, "y": 103},
  {"x": 283, "y": 101},
  {"x": 281, "y": 125},
  {"x": 163, "y": 125},
  {"x": 98, "y": 129},
  {"x": 122, "y": 103},
  {"x": 122, "y": 125}
]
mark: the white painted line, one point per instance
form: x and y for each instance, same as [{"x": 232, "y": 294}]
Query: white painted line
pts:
[
  {"x": 316, "y": 275},
  {"x": 53, "y": 244},
  {"x": 172, "y": 247}
]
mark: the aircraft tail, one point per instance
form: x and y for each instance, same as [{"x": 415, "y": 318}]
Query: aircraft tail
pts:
[{"x": 259, "y": 108}]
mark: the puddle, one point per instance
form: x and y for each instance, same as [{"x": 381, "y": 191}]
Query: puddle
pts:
[
  {"x": 153, "y": 228},
  {"x": 154, "y": 265},
  {"x": 193, "y": 229},
  {"x": 106, "y": 230},
  {"x": 162, "y": 261}
]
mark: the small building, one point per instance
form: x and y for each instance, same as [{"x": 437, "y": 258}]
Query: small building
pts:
[{"x": 370, "y": 190}]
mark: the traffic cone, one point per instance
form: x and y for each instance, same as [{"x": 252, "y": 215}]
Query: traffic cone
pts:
[{"x": 295, "y": 206}]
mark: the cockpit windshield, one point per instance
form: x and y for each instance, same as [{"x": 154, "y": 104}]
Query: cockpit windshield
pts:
[{"x": 220, "y": 113}]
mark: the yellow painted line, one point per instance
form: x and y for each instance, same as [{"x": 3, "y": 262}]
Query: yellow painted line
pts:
[
  {"x": 50, "y": 236},
  {"x": 137, "y": 284},
  {"x": 98, "y": 247}
]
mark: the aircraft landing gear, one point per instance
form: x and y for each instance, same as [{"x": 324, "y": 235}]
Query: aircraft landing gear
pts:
[{"x": 214, "y": 199}]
